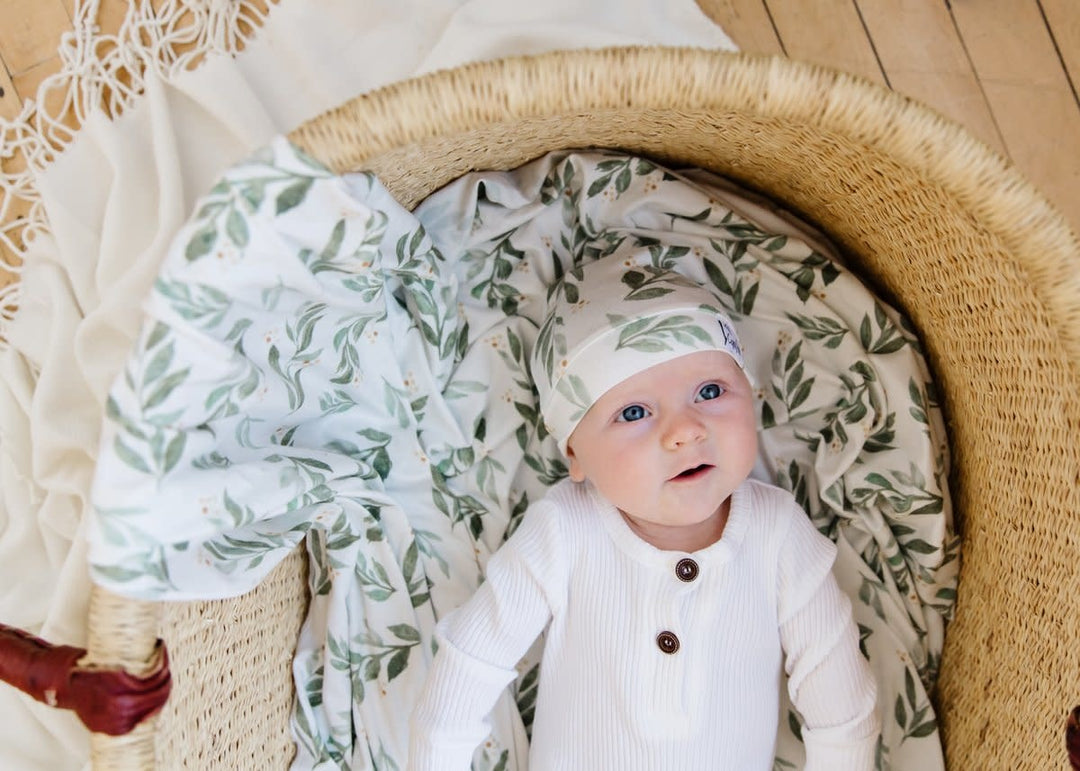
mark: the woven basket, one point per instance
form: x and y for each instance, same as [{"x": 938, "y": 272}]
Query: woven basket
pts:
[{"x": 930, "y": 218}]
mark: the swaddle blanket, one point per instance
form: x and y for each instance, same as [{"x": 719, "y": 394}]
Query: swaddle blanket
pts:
[{"x": 318, "y": 364}]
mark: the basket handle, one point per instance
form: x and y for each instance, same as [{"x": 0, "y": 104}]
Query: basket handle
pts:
[{"x": 107, "y": 700}]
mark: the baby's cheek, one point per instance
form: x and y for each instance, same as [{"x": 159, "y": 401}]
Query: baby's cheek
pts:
[{"x": 632, "y": 469}]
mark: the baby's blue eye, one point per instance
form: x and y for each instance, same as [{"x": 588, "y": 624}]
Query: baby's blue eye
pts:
[
  {"x": 709, "y": 391},
  {"x": 632, "y": 413}
]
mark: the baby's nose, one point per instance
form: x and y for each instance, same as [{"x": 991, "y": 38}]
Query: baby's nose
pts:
[{"x": 683, "y": 429}]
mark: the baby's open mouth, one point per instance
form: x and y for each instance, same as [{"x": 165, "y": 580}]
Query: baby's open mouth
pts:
[{"x": 693, "y": 473}]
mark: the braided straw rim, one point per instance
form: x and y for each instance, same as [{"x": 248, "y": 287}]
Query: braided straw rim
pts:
[
  {"x": 1019, "y": 506},
  {"x": 943, "y": 152}
]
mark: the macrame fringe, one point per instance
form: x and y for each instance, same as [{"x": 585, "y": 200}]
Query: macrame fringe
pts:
[{"x": 102, "y": 72}]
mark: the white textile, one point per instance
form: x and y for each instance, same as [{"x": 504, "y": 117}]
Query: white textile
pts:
[
  {"x": 610, "y": 695},
  {"x": 425, "y": 443},
  {"x": 113, "y": 200}
]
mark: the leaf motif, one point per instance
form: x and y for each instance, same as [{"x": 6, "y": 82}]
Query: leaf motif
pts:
[
  {"x": 768, "y": 417},
  {"x": 916, "y": 394},
  {"x": 598, "y": 186},
  {"x": 397, "y": 664},
  {"x": 117, "y": 574},
  {"x": 746, "y": 305},
  {"x": 891, "y": 346},
  {"x": 801, "y": 394},
  {"x": 157, "y": 334},
  {"x": 417, "y": 241},
  {"x": 174, "y": 451},
  {"x": 234, "y": 509},
  {"x": 159, "y": 364},
  {"x": 924, "y": 729},
  {"x": 633, "y": 278},
  {"x": 701, "y": 216},
  {"x": 210, "y": 209},
  {"x": 201, "y": 242},
  {"x": 166, "y": 387},
  {"x": 292, "y": 196},
  {"x": 864, "y": 333},
  {"x": 795, "y": 376},
  {"x": 919, "y": 546},
  {"x": 405, "y": 632},
  {"x": 408, "y": 566},
  {"x": 774, "y": 244},
  {"x": 643, "y": 167},
  {"x": 934, "y": 507},
  {"x": 793, "y": 356},
  {"x": 609, "y": 165},
  {"x": 579, "y": 389},
  {"x": 238, "y": 329},
  {"x": 254, "y": 194},
  {"x": 236, "y": 228},
  {"x": 130, "y": 457},
  {"x": 794, "y": 725},
  {"x": 651, "y": 293},
  {"x": 333, "y": 246},
  {"x": 856, "y": 413},
  {"x": 425, "y": 304},
  {"x": 270, "y": 297}
]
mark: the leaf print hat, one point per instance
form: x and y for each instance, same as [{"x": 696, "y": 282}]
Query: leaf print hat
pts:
[{"x": 610, "y": 319}]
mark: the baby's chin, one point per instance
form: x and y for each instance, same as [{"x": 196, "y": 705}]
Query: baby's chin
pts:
[{"x": 687, "y": 533}]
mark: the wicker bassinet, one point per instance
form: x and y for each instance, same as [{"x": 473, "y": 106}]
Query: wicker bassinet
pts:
[{"x": 933, "y": 220}]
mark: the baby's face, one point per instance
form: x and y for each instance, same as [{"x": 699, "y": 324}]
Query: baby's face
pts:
[{"x": 668, "y": 445}]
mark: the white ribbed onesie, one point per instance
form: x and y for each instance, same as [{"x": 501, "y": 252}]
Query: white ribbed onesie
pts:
[{"x": 613, "y": 693}]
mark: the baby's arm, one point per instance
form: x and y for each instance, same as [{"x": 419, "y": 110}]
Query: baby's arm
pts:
[
  {"x": 829, "y": 679},
  {"x": 480, "y": 644}
]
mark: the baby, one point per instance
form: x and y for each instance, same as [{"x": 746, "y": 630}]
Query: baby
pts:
[{"x": 672, "y": 587}]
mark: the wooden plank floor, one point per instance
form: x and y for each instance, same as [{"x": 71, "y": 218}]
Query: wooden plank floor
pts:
[{"x": 1008, "y": 70}]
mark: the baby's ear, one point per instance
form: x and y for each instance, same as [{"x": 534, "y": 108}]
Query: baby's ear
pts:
[{"x": 577, "y": 473}]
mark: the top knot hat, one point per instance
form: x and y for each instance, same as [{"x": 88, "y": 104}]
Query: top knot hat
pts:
[{"x": 611, "y": 319}]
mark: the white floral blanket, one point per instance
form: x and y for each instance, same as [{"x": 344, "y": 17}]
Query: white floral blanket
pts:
[{"x": 320, "y": 366}]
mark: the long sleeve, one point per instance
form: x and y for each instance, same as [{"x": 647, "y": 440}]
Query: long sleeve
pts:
[
  {"x": 480, "y": 643},
  {"x": 829, "y": 679}
]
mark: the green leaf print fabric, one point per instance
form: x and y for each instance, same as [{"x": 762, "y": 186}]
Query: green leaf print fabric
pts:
[{"x": 319, "y": 367}]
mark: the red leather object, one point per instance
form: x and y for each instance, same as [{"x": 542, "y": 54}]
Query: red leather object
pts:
[
  {"x": 108, "y": 701},
  {"x": 1072, "y": 738}
]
